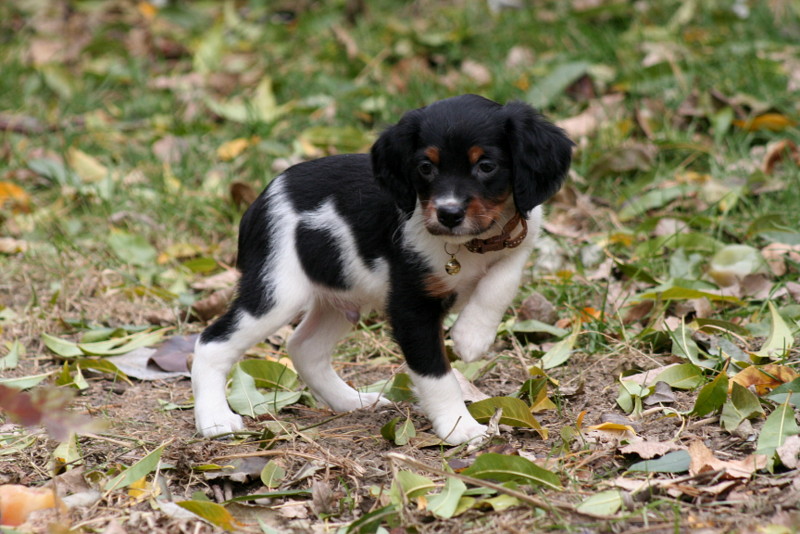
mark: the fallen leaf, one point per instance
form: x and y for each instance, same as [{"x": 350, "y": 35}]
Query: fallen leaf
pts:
[
  {"x": 789, "y": 452},
  {"x": 702, "y": 460},
  {"x": 468, "y": 389},
  {"x": 18, "y": 502},
  {"x": 14, "y": 196},
  {"x": 231, "y": 149},
  {"x": 774, "y": 122},
  {"x": 9, "y": 245},
  {"x": 87, "y": 167},
  {"x": 764, "y": 378},
  {"x": 782, "y": 150},
  {"x": 650, "y": 449}
]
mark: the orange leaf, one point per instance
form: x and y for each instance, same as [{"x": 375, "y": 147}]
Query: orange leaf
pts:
[
  {"x": 774, "y": 122},
  {"x": 764, "y": 378},
  {"x": 17, "y": 502},
  {"x": 15, "y": 196}
]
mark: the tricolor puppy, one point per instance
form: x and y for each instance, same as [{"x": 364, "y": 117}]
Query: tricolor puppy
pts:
[{"x": 441, "y": 217}]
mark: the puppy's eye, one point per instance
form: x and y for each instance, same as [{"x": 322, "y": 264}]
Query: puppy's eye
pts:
[
  {"x": 425, "y": 169},
  {"x": 487, "y": 167}
]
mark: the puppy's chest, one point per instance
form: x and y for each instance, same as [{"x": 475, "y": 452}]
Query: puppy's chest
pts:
[{"x": 439, "y": 283}]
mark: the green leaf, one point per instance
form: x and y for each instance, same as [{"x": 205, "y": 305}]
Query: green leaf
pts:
[
  {"x": 654, "y": 198},
  {"x": 62, "y": 347},
  {"x": 445, "y": 504},
  {"x": 214, "y": 513},
  {"x": 683, "y": 376},
  {"x": 132, "y": 248},
  {"x": 605, "y": 503},
  {"x": 407, "y": 485},
  {"x": 67, "y": 453},
  {"x": 123, "y": 345},
  {"x": 506, "y": 468},
  {"x": 547, "y": 89},
  {"x": 780, "y": 424},
  {"x": 685, "y": 293},
  {"x": 245, "y": 398},
  {"x": 397, "y": 432},
  {"x": 24, "y": 382},
  {"x": 712, "y": 396},
  {"x": 138, "y": 470},
  {"x": 11, "y": 360},
  {"x": 531, "y": 326},
  {"x": 515, "y": 413},
  {"x": 787, "y": 391},
  {"x": 272, "y": 474},
  {"x": 400, "y": 389},
  {"x": 742, "y": 404},
  {"x": 271, "y": 375},
  {"x": 780, "y": 338},
  {"x": 684, "y": 346},
  {"x": 673, "y": 462},
  {"x": 371, "y": 522},
  {"x": 561, "y": 351}
]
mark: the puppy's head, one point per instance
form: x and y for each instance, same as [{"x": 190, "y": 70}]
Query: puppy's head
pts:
[{"x": 466, "y": 159}]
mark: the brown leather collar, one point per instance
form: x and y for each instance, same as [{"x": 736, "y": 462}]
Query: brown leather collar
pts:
[{"x": 504, "y": 240}]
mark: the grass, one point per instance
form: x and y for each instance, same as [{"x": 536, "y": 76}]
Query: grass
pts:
[{"x": 125, "y": 204}]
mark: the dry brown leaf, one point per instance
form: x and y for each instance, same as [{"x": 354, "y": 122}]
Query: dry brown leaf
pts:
[
  {"x": 789, "y": 452},
  {"x": 9, "y": 245},
  {"x": 794, "y": 290},
  {"x": 214, "y": 304},
  {"x": 537, "y": 307},
  {"x": 477, "y": 72},
  {"x": 702, "y": 460},
  {"x": 608, "y": 109},
  {"x": 764, "y": 378},
  {"x": 243, "y": 194},
  {"x": 783, "y": 150},
  {"x": 468, "y": 389},
  {"x": 224, "y": 280},
  {"x": 650, "y": 449},
  {"x": 776, "y": 253}
]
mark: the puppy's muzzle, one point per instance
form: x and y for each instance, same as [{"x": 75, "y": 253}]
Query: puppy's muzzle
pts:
[{"x": 450, "y": 214}]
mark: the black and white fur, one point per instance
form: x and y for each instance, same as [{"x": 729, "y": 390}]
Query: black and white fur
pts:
[{"x": 340, "y": 236}]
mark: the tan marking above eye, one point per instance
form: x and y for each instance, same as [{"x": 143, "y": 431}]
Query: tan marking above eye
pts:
[
  {"x": 432, "y": 153},
  {"x": 474, "y": 154}
]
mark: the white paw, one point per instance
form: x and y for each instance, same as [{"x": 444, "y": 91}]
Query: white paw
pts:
[
  {"x": 460, "y": 430},
  {"x": 216, "y": 421},
  {"x": 355, "y": 401},
  {"x": 471, "y": 341}
]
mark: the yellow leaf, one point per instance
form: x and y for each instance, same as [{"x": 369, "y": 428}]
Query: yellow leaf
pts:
[
  {"x": 147, "y": 10},
  {"x": 138, "y": 488},
  {"x": 230, "y": 149},
  {"x": 87, "y": 167},
  {"x": 14, "y": 196},
  {"x": 774, "y": 122}
]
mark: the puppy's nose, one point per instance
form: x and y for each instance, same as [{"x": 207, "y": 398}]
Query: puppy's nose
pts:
[{"x": 450, "y": 215}]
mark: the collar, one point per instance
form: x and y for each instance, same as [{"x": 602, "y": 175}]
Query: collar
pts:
[{"x": 503, "y": 240}]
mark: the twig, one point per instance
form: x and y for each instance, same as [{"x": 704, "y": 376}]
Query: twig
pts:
[
  {"x": 350, "y": 465},
  {"x": 535, "y": 501}
]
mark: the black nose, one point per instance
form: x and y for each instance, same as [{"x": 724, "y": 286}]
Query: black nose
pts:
[{"x": 450, "y": 215}]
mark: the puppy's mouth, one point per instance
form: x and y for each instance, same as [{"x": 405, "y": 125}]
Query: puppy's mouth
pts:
[{"x": 458, "y": 219}]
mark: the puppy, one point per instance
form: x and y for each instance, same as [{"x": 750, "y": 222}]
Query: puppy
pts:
[{"x": 441, "y": 217}]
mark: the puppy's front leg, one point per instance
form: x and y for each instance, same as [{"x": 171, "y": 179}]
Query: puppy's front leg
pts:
[
  {"x": 417, "y": 325},
  {"x": 476, "y": 326}
]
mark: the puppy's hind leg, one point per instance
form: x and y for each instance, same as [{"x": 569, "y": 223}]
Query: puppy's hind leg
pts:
[
  {"x": 218, "y": 348},
  {"x": 310, "y": 348}
]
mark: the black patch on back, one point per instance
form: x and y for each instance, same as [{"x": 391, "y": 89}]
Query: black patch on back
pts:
[
  {"x": 347, "y": 179},
  {"x": 320, "y": 257}
]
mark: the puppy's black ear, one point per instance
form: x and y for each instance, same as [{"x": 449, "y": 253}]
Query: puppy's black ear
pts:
[
  {"x": 541, "y": 154},
  {"x": 392, "y": 160}
]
